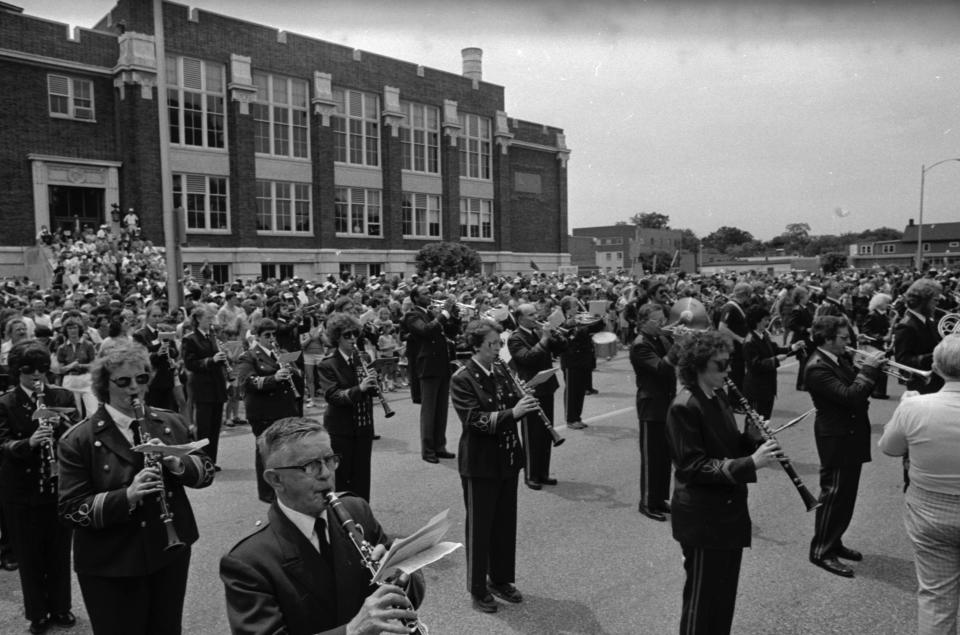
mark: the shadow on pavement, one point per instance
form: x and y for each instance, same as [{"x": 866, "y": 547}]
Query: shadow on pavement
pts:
[
  {"x": 896, "y": 572},
  {"x": 587, "y": 492},
  {"x": 612, "y": 433},
  {"x": 550, "y": 617}
]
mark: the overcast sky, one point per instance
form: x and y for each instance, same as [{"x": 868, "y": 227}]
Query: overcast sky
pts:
[{"x": 753, "y": 115}]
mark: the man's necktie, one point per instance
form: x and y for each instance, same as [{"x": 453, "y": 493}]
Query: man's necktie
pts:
[
  {"x": 135, "y": 429},
  {"x": 320, "y": 526}
]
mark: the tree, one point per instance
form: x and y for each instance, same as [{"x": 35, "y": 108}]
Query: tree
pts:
[
  {"x": 881, "y": 233},
  {"x": 651, "y": 220},
  {"x": 661, "y": 258},
  {"x": 750, "y": 248},
  {"x": 448, "y": 258},
  {"x": 833, "y": 262},
  {"x": 689, "y": 241},
  {"x": 726, "y": 237},
  {"x": 797, "y": 237}
]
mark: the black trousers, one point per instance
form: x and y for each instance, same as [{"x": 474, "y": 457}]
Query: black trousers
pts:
[
  {"x": 576, "y": 380},
  {"x": 491, "y": 531},
  {"x": 264, "y": 491},
  {"x": 142, "y": 605},
  {"x": 42, "y": 546},
  {"x": 209, "y": 417},
  {"x": 654, "y": 464},
  {"x": 537, "y": 443},
  {"x": 838, "y": 496},
  {"x": 710, "y": 590},
  {"x": 434, "y": 395},
  {"x": 354, "y": 472}
]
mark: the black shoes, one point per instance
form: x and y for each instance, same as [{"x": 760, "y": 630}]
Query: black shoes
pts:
[
  {"x": 431, "y": 459},
  {"x": 39, "y": 626},
  {"x": 532, "y": 484},
  {"x": 66, "y": 619},
  {"x": 443, "y": 454},
  {"x": 217, "y": 468},
  {"x": 9, "y": 563},
  {"x": 833, "y": 565},
  {"x": 848, "y": 554},
  {"x": 506, "y": 592},
  {"x": 591, "y": 391},
  {"x": 651, "y": 513},
  {"x": 485, "y": 604},
  {"x": 548, "y": 481},
  {"x": 576, "y": 425}
]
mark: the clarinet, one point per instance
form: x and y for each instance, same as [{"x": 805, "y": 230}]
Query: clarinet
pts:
[
  {"x": 153, "y": 460},
  {"x": 754, "y": 417},
  {"x": 48, "y": 458},
  {"x": 363, "y": 370},
  {"x": 285, "y": 366},
  {"x": 365, "y": 549},
  {"x": 519, "y": 391}
]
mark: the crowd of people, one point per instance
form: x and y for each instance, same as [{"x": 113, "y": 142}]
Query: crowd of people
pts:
[{"x": 306, "y": 364}]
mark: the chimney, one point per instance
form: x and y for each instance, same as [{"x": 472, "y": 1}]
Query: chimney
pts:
[
  {"x": 472, "y": 63},
  {"x": 910, "y": 224}
]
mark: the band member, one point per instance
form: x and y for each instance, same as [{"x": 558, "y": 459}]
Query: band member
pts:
[
  {"x": 163, "y": 355},
  {"x": 842, "y": 433},
  {"x": 801, "y": 320},
  {"x": 532, "y": 349},
  {"x": 431, "y": 359},
  {"x": 207, "y": 382},
  {"x": 131, "y": 581},
  {"x": 299, "y": 573},
  {"x": 269, "y": 391},
  {"x": 656, "y": 388},
  {"x": 733, "y": 323},
  {"x": 490, "y": 461},
  {"x": 577, "y": 359},
  {"x": 714, "y": 462},
  {"x": 349, "y": 394},
  {"x": 877, "y": 331},
  {"x": 762, "y": 357},
  {"x": 915, "y": 337},
  {"x": 28, "y": 489}
]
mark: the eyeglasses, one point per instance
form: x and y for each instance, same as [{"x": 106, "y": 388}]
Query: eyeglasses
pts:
[
  {"x": 123, "y": 382},
  {"x": 315, "y": 467},
  {"x": 350, "y": 334},
  {"x": 722, "y": 364},
  {"x": 30, "y": 370},
  {"x": 268, "y": 334}
]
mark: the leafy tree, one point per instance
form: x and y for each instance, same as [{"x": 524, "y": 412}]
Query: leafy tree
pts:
[
  {"x": 750, "y": 248},
  {"x": 662, "y": 261},
  {"x": 726, "y": 237},
  {"x": 881, "y": 233},
  {"x": 833, "y": 262},
  {"x": 651, "y": 220},
  {"x": 689, "y": 240},
  {"x": 797, "y": 237},
  {"x": 448, "y": 258}
]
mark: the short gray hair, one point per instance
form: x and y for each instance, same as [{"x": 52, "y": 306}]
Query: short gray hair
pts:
[
  {"x": 946, "y": 358},
  {"x": 284, "y": 432}
]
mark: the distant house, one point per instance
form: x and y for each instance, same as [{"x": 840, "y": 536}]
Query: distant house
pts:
[
  {"x": 940, "y": 248},
  {"x": 618, "y": 247}
]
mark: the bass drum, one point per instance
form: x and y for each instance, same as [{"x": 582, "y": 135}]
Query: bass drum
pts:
[{"x": 605, "y": 344}]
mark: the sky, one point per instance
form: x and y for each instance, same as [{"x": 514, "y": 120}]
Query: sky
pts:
[{"x": 745, "y": 114}]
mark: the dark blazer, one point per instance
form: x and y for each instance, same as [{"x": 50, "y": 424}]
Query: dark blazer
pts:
[
  {"x": 340, "y": 386},
  {"x": 656, "y": 379},
  {"x": 265, "y": 397},
  {"x": 276, "y": 582},
  {"x": 150, "y": 339},
  {"x": 489, "y": 445},
  {"x": 712, "y": 468},
  {"x": 841, "y": 397},
  {"x": 96, "y": 466},
  {"x": 207, "y": 379},
  {"x": 913, "y": 344},
  {"x": 579, "y": 351},
  {"x": 761, "y": 363},
  {"x": 427, "y": 351},
  {"x": 19, "y": 463},
  {"x": 528, "y": 358}
]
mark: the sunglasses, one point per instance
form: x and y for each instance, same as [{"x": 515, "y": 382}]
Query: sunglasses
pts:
[
  {"x": 123, "y": 382},
  {"x": 30, "y": 370},
  {"x": 350, "y": 334}
]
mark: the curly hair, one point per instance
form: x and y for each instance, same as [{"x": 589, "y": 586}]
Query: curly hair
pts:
[
  {"x": 921, "y": 292},
  {"x": 103, "y": 367},
  {"x": 285, "y": 432},
  {"x": 28, "y": 353},
  {"x": 695, "y": 350},
  {"x": 825, "y": 328},
  {"x": 338, "y": 324},
  {"x": 477, "y": 330}
]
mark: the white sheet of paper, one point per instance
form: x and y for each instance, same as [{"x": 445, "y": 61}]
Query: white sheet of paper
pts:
[{"x": 418, "y": 549}]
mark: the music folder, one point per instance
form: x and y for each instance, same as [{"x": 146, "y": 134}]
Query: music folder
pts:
[{"x": 541, "y": 377}]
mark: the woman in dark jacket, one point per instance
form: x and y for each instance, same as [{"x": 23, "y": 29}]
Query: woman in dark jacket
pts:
[{"x": 801, "y": 319}]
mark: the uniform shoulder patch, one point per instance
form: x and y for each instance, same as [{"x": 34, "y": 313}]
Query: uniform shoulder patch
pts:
[
  {"x": 459, "y": 370},
  {"x": 261, "y": 526}
]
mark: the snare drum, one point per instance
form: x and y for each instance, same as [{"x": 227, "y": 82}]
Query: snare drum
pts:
[{"x": 605, "y": 344}]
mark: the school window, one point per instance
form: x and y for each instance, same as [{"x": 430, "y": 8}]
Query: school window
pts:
[
  {"x": 356, "y": 127},
  {"x": 282, "y": 271},
  {"x": 195, "y": 102},
  {"x": 926, "y": 246},
  {"x": 476, "y": 219},
  {"x": 220, "y": 272},
  {"x": 283, "y": 207},
  {"x": 280, "y": 116},
  {"x": 475, "y": 144},
  {"x": 421, "y": 215},
  {"x": 204, "y": 200},
  {"x": 420, "y": 137},
  {"x": 954, "y": 243},
  {"x": 357, "y": 269},
  {"x": 70, "y": 98},
  {"x": 357, "y": 211}
]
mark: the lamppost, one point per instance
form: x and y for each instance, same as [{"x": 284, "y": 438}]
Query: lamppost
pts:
[{"x": 923, "y": 175}]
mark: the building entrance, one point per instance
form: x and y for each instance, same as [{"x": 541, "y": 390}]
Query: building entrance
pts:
[{"x": 72, "y": 208}]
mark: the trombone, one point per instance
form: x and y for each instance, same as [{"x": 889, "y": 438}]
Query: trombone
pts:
[{"x": 890, "y": 367}]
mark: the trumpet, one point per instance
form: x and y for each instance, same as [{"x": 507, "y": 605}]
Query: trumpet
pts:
[
  {"x": 48, "y": 457},
  {"x": 890, "y": 367},
  {"x": 365, "y": 370},
  {"x": 152, "y": 460},
  {"x": 285, "y": 366},
  {"x": 365, "y": 549},
  {"x": 519, "y": 391}
]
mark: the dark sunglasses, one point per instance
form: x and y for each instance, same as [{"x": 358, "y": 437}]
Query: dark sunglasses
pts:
[
  {"x": 123, "y": 382},
  {"x": 722, "y": 364},
  {"x": 30, "y": 370},
  {"x": 350, "y": 334}
]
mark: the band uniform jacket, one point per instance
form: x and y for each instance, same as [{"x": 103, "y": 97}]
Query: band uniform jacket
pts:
[
  {"x": 276, "y": 582},
  {"x": 656, "y": 379},
  {"x": 841, "y": 396},
  {"x": 207, "y": 378},
  {"x": 349, "y": 411},
  {"x": 761, "y": 363},
  {"x": 579, "y": 351},
  {"x": 528, "y": 357},
  {"x": 19, "y": 463},
  {"x": 712, "y": 468},
  {"x": 265, "y": 397},
  {"x": 96, "y": 466},
  {"x": 163, "y": 370},
  {"x": 427, "y": 350},
  {"x": 913, "y": 344},
  {"x": 489, "y": 444}
]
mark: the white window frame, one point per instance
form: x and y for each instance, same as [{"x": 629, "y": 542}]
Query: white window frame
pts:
[
  {"x": 360, "y": 206},
  {"x": 69, "y": 89},
  {"x": 297, "y": 197},
  {"x": 277, "y": 270},
  {"x": 476, "y": 209},
  {"x": 276, "y": 99},
  {"x": 866, "y": 250},
  {"x": 421, "y": 209},
  {"x": 189, "y": 187},
  {"x": 888, "y": 249},
  {"x": 926, "y": 247},
  {"x": 954, "y": 243},
  {"x": 363, "y": 112},
  {"x": 476, "y": 145},
  {"x": 420, "y": 130},
  {"x": 176, "y": 87}
]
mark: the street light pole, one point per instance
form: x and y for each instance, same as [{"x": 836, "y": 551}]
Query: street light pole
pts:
[{"x": 923, "y": 176}]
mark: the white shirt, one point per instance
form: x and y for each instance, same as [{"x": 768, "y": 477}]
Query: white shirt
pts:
[{"x": 305, "y": 523}]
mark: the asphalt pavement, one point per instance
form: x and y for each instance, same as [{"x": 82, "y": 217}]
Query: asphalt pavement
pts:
[{"x": 587, "y": 562}]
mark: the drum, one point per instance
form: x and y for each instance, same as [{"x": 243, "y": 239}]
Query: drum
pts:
[{"x": 605, "y": 344}]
